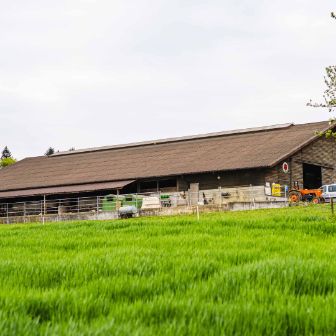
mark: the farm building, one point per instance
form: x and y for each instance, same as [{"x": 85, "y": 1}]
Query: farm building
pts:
[{"x": 281, "y": 154}]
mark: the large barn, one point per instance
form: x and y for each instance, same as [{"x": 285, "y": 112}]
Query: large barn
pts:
[{"x": 242, "y": 157}]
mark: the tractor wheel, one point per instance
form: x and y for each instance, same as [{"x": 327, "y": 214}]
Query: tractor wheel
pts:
[
  {"x": 295, "y": 196},
  {"x": 317, "y": 200}
]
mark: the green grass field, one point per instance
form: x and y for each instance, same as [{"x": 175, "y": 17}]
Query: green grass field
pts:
[{"x": 266, "y": 272}]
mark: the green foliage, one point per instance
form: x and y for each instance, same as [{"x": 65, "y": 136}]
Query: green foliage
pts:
[
  {"x": 6, "y": 158},
  {"x": 268, "y": 272},
  {"x": 329, "y": 94},
  {"x": 7, "y": 162}
]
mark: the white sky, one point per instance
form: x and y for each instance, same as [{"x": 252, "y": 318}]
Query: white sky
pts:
[{"x": 85, "y": 73}]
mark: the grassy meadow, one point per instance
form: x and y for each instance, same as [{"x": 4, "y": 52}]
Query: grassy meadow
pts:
[{"x": 265, "y": 272}]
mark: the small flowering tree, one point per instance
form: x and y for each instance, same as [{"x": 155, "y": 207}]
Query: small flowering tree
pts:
[{"x": 330, "y": 93}]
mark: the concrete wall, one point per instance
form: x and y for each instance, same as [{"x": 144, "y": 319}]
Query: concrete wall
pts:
[
  {"x": 59, "y": 218},
  {"x": 182, "y": 210}
]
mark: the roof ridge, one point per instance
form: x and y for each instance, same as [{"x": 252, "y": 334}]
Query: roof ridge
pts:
[{"x": 176, "y": 139}]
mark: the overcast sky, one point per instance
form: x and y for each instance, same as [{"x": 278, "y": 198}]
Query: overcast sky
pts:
[{"x": 85, "y": 73}]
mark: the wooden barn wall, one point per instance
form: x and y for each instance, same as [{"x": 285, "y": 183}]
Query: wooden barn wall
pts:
[
  {"x": 227, "y": 179},
  {"x": 321, "y": 152}
]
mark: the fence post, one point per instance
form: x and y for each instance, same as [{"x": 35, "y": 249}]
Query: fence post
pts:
[
  {"x": 97, "y": 209},
  {"x": 44, "y": 208},
  {"x": 220, "y": 197},
  {"x": 41, "y": 211},
  {"x": 24, "y": 212},
  {"x": 251, "y": 197},
  {"x": 332, "y": 206},
  {"x": 286, "y": 201},
  {"x": 78, "y": 208},
  {"x": 7, "y": 215}
]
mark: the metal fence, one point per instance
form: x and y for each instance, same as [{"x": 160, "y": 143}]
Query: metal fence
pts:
[{"x": 108, "y": 207}]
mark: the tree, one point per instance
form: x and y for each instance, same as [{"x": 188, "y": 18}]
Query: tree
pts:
[
  {"x": 6, "y": 154},
  {"x": 50, "y": 151},
  {"x": 330, "y": 93},
  {"x": 6, "y": 158},
  {"x": 7, "y": 162}
]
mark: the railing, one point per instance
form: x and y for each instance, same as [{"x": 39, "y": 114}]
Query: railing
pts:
[{"x": 95, "y": 207}]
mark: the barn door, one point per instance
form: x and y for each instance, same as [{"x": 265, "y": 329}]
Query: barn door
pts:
[{"x": 312, "y": 176}]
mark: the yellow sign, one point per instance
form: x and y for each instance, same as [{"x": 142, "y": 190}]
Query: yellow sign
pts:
[{"x": 276, "y": 189}]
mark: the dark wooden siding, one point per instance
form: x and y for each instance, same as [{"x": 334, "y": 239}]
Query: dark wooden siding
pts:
[
  {"x": 227, "y": 179},
  {"x": 321, "y": 152}
]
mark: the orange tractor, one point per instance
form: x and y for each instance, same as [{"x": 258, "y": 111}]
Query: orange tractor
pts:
[{"x": 297, "y": 195}]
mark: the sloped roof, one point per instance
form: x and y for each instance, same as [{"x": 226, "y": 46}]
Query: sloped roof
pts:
[
  {"x": 88, "y": 187},
  {"x": 240, "y": 149}
]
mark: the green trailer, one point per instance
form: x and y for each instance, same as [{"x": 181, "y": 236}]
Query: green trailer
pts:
[
  {"x": 114, "y": 202},
  {"x": 133, "y": 200}
]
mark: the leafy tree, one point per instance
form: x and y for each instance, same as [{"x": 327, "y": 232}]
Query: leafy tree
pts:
[
  {"x": 50, "y": 151},
  {"x": 330, "y": 92},
  {"x": 6, "y": 154}
]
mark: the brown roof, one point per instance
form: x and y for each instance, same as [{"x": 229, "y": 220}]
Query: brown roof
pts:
[
  {"x": 251, "y": 148},
  {"x": 65, "y": 189}
]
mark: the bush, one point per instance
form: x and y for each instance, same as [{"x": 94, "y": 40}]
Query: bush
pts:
[{"x": 7, "y": 162}]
